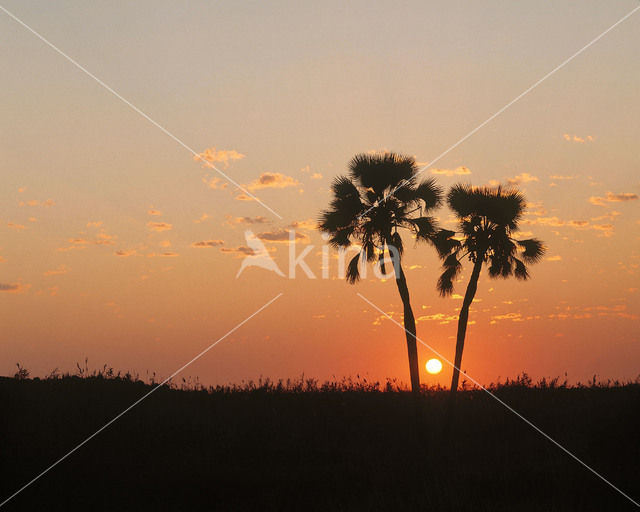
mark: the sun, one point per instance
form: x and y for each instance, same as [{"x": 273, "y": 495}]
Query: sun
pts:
[{"x": 434, "y": 366}]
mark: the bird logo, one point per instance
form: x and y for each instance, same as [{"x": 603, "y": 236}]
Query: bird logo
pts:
[{"x": 259, "y": 258}]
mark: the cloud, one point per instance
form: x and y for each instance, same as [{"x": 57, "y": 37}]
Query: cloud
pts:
[
  {"x": 101, "y": 238},
  {"x": 125, "y": 254},
  {"x": 202, "y": 218},
  {"x": 215, "y": 183},
  {"x": 272, "y": 180},
  {"x": 458, "y": 171},
  {"x": 439, "y": 317},
  {"x": 246, "y": 220},
  {"x": 94, "y": 224},
  {"x": 557, "y": 177},
  {"x": 605, "y": 229},
  {"x": 35, "y": 202},
  {"x": 281, "y": 235},
  {"x": 213, "y": 155},
  {"x": 536, "y": 209},
  {"x": 62, "y": 269},
  {"x": 14, "y": 288},
  {"x": 244, "y": 197},
  {"x": 17, "y": 227},
  {"x": 159, "y": 226},
  {"x": 207, "y": 243},
  {"x": 514, "y": 317},
  {"x": 304, "y": 225},
  {"x": 610, "y": 216},
  {"x": 239, "y": 251},
  {"x": 162, "y": 255},
  {"x": 613, "y": 198},
  {"x": 576, "y": 138},
  {"x": 316, "y": 176},
  {"x": 525, "y": 177},
  {"x": 154, "y": 212},
  {"x": 554, "y": 258}
]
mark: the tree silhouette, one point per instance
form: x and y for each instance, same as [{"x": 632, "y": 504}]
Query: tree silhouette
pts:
[
  {"x": 380, "y": 195},
  {"x": 487, "y": 216}
]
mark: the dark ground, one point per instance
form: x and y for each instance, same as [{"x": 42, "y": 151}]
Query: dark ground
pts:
[{"x": 346, "y": 447}]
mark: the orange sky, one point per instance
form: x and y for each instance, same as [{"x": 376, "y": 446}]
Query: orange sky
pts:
[{"x": 117, "y": 245}]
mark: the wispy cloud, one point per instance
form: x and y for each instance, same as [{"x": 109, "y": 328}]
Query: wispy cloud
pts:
[
  {"x": 575, "y": 138},
  {"x": 304, "y": 225},
  {"x": 604, "y": 229},
  {"x": 213, "y": 155},
  {"x": 152, "y": 211},
  {"x": 239, "y": 251},
  {"x": 273, "y": 180},
  {"x": 14, "y": 287},
  {"x": 557, "y": 177},
  {"x": 613, "y": 198},
  {"x": 281, "y": 235},
  {"x": 82, "y": 242},
  {"x": 35, "y": 202},
  {"x": 125, "y": 253},
  {"x": 159, "y": 226},
  {"x": 17, "y": 227},
  {"x": 458, "y": 171},
  {"x": 202, "y": 218},
  {"x": 215, "y": 183},
  {"x": 207, "y": 243},
  {"x": 525, "y": 177},
  {"x": 246, "y": 220},
  {"x": 244, "y": 197},
  {"x": 62, "y": 269}
]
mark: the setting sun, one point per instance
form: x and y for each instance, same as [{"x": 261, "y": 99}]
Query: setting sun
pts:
[{"x": 434, "y": 366}]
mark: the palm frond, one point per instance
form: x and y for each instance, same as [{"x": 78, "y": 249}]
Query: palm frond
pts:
[
  {"x": 424, "y": 227},
  {"x": 381, "y": 172},
  {"x": 520, "y": 270},
  {"x": 353, "y": 270},
  {"x": 444, "y": 242},
  {"x": 445, "y": 281},
  {"x": 429, "y": 192},
  {"x": 533, "y": 250}
]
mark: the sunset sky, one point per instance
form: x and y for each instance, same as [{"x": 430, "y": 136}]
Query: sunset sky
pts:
[{"x": 117, "y": 245}]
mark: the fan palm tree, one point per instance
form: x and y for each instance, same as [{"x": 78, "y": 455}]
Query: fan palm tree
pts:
[
  {"x": 488, "y": 217},
  {"x": 380, "y": 195}
]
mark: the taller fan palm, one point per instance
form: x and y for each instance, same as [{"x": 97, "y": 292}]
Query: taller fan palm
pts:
[
  {"x": 380, "y": 195},
  {"x": 487, "y": 218}
]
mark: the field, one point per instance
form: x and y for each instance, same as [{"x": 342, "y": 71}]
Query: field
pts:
[{"x": 302, "y": 445}]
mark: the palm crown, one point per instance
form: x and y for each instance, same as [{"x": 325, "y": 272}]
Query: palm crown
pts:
[
  {"x": 380, "y": 195},
  {"x": 488, "y": 217}
]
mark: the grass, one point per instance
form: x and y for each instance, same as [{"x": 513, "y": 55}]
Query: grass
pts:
[{"x": 306, "y": 445}]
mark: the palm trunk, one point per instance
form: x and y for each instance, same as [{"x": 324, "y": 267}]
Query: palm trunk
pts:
[
  {"x": 410, "y": 330},
  {"x": 462, "y": 322}
]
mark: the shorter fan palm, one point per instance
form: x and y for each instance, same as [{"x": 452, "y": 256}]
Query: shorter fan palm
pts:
[
  {"x": 380, "y": 195},
  {"x": 487, "y": 216}
]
